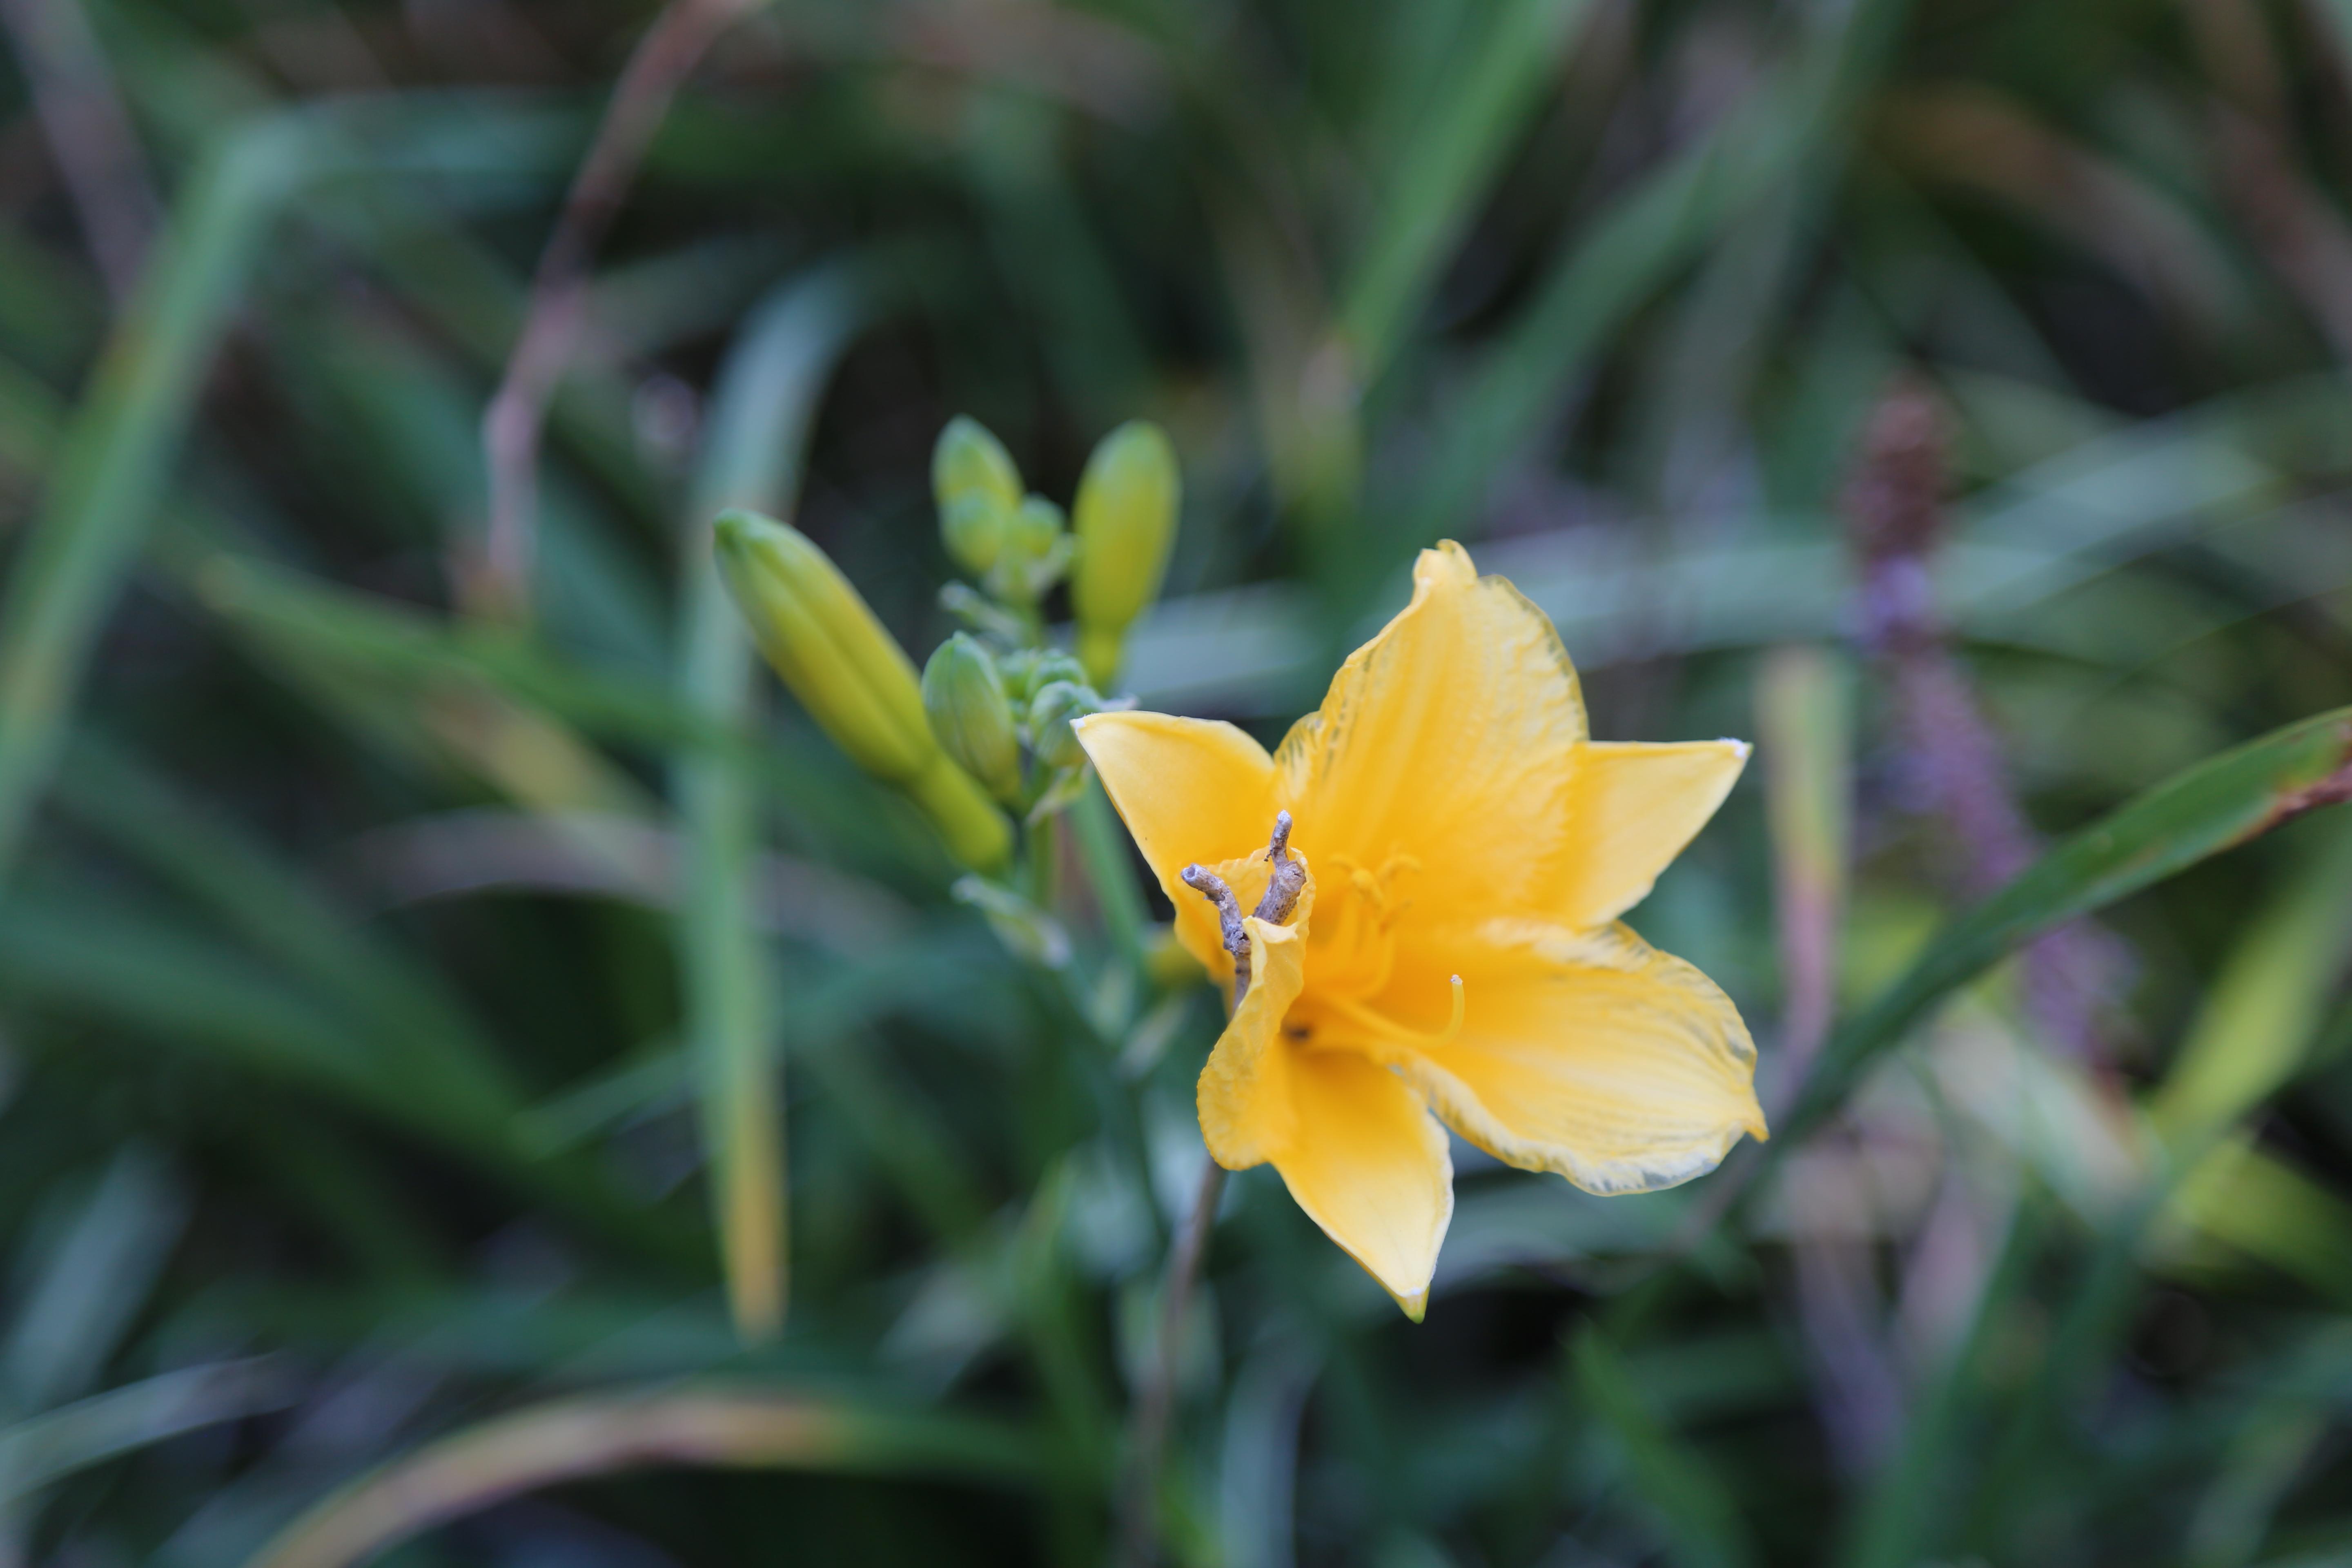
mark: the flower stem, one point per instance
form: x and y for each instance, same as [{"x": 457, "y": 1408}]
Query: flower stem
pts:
[
  {"x": 1045, "y": 848},
  {"x": 1158, "y": 1404}
]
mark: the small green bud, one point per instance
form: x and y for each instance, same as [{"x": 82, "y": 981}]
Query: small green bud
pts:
[
  {"x": 1036, "y": 525},
  {"x": 1026, "y": 671},
  {"x": 1050, "y": 712},
  {"x": 973, "y": 530},
  {"x": 964, "y": 698},
  {"x": 968, "y": 460},
  {"x": 851, "y": 675},
  {"x": 977, "y": 488},
  {"x": 1037, "y": 547},
  {"x": 1125, "y": 522}
]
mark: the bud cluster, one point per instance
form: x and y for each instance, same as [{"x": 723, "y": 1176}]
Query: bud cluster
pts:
[
  {"x": 988, "y": 707},
  {"x": 1113, "y": 549},
  {"x": 993, "y": 694},
  {"x": 988, "y": 724}
]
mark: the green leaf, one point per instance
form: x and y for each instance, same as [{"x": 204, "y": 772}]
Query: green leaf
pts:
[
  {"x": 125, "y": 436},
  {"x": 1448, "y": 165},
  {"x": 1686, "y": 1499},
  {"x": 2264, "y": 1009},
  {"x": 2211, "y": 807},
  {"x": 605, "y": 1433},
  {"x": 761, "y": 422},
  {"x": 50, "y": 1446}
]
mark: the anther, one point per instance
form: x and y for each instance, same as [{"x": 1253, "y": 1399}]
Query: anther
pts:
[
  {"x": 1212, "y": 886},
  {"x": 1289, "y": 874},
  {"x": 1286, "y": 881}
]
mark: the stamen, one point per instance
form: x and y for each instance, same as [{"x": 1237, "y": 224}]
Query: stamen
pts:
[
  {"x": 1383, "y": 1028},
  {"x": 1288, "y": 880},
  {"x": 1212, "y": 886}
]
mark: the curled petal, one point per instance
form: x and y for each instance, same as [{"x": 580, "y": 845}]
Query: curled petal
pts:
[
  {"x": 1590, "y": 1054},
  {"x": 1449, "y": 738},
  {"x": 1189, "y": 789},
  {"x": 1247, "y": 1115},
  {"x": 1369, "y": 1165},
  {"x": 1631, "y": 808}
]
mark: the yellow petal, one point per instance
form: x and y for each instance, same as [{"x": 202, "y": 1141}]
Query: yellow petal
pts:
[
  {"x": 1586, "y": 1053},
  {"x": 1369, "y": 1165},
  {"x": 1631, "y": 808},
  {"x": 1189, "y": 789},
  {"x": 1244, "y": 1096},
  {"x": 1449, "y": 738}
]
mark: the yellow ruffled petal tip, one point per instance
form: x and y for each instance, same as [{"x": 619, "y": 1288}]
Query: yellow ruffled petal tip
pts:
[{"x": 1473, "y": 848}]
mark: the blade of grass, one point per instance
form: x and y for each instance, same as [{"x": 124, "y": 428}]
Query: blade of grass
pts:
[
  {"x": 2262, "y": 1011},
  {"x": 761, "y": 418},
  {"x": 390, "y": 641},
  {"x": 125, "y": 966},
  {"x": 273, "y": 907},
  {"x": 116, "y": 460},
  {"x": 1685, "y": 1498},
  {"x": 89, "y": 1289},
  {"x": 51, "y": 1447},
  {"x": 2194, "y": 814},
  {"x": 1490, "y": 91},
  {"x": 1643, "y": 238},
  {"x": 1899, "y": 1520},
  {"x": 598, "y": 1434},
  {"x": 119, "y": 452}
]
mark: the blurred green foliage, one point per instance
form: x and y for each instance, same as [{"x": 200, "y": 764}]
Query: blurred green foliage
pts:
[{"x": 404, "y": 1013}]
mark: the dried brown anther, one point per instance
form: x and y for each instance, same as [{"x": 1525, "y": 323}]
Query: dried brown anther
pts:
[{"x": 1282, "y": 890}]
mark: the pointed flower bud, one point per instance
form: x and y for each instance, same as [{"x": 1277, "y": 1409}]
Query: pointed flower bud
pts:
[
  {"x": 964, "y": 698},
  {"x": 1126, "y": 521},
  {"x": 854, "y": 680},
  {"x": 1050, "y": 712},
  {"x": 978, "y": 489}
]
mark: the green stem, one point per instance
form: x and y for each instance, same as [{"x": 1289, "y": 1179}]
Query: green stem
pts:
[
  {"x": 1102, "y": 851},
  {"x": 1045, "y": 851}
]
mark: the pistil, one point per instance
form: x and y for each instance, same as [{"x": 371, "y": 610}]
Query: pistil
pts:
[{"x": 1288, "y": 880}]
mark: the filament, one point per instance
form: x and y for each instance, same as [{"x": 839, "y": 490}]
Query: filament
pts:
[{"x": 1390, "y": 1029}]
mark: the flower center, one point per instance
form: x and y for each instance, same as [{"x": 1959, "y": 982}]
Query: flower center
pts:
[
  {"x": 1353, "y": 946},
  {"x": 1285, "y": 879}
]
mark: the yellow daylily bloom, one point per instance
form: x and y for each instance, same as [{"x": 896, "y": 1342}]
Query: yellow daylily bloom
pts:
[{"x": 1456, "y": 953}]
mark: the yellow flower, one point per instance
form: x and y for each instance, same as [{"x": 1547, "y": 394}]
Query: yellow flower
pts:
[{"x": 1455, "y": 949}]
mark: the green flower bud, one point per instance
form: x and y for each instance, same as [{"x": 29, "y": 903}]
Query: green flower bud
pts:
[
  {"x": 964, "y": 698},
  {"x": 1036, "y": 527},
  {"x": 1125, "y": 522},
  {"x": 1036, "y": 553},
  {"x": 977, "y": 486},
  {"x": 973, "y": 530},
  {"x": 1026, "y": 671},
  {"x": 1050, "y": 712},
  {"x": 851, "y": 675}
]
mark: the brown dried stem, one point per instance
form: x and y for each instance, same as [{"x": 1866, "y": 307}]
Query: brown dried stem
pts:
[{"x": 497, "y": 583}]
